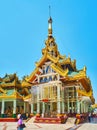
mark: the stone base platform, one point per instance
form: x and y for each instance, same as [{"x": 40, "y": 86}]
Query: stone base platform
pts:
[
  {"x": 49, "y": 120},
  {"x": 8, "y": 119}
]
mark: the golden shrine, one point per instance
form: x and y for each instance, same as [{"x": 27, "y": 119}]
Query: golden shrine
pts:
[
  {"x": 56, "y": 87},
  {"x": 12, "y": 96}
]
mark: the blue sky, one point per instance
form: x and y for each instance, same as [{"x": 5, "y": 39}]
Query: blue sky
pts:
[{"x": 24, "y": 28}]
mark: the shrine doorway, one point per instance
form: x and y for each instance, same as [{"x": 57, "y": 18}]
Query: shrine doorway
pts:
[
  {"x": 47, "y": 109},
  {"x": 50, "y": 109}
]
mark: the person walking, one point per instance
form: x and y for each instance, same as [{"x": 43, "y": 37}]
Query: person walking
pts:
[
  {"x": 20, "y": 121},
  {"x": 89, "y": 117}
]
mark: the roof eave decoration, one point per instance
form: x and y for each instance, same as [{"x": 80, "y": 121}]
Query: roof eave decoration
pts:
[
  {"x": 59, "y": 70},
  {"x": 25, "y": 91},
  {"x": 42, "y": 60},
  {"x": 33, "y": 75},
  {"x": 78, "y": 75},
  {"x": 39, "y": 64},
  {"x": 93, "y": 100},
  {"x": 53, "y": 59},
  {"x": 2, "y": 90},
  {"x": 88, "y": 94},
  {"x": 15, "y": 95},
  {"x": 82, "y": 80},
  {"x": 27, "y": 97},
  {"x": 10, "y": 81},
  {"x": 45, "y": 58},
  {"x": 26, "y": 84},
  {"x": 67, "y": 60},
  {"x": 3, "y": 84},
  {"x": 84, "y": 93},
  {"x": 85, "y": 84},
  {"x": 94, "y": 106}
]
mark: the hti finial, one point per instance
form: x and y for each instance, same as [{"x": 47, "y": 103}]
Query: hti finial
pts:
[
  {"x": 50, "y": 23},
  {"x": 49, "y": 11}
]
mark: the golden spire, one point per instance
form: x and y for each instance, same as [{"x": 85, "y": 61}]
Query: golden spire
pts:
[
  {"x": 51, "y": 46},
  {"x": 50, "y": 24}
]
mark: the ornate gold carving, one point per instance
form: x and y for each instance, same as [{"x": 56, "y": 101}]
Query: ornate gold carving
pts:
[
  {"x": 32, "y": 74},
  {"x": 59, "y": 70},
  {"x": 89, "y": 94},
  {"x": 2, "y": 90}
]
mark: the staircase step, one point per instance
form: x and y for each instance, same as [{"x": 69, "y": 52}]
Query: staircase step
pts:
[{"x": 71, "y": 120}]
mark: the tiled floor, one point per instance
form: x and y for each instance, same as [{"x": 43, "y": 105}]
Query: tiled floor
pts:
[{"x": 36, "y": 126}]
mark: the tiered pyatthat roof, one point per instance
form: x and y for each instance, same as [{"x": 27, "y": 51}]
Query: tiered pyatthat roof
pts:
[
  {"x": 10, "y": 81},
  {"x": 10, "y": 87},
  {"x": 59, "y": 63}
]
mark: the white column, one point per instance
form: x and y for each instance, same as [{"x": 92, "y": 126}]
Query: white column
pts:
[
  {"x": 84, "y": 107},
  {"x": 43, "y": 107},
  {"x": 58, "y": 76},
  {"x": 14, "y": 107},
  {"x": 58, "y": 99},
  {"x": 81, "y": 107},
  {"x": 38, "y": 104},
  {"x": 77, "y": 103},
  {"x": 87, "y": 107},
  {"x": 2, "y": 109},
  {"x": 68, "y": 105},
  {"x": 63, "y": 105},
  {"x": 68, "y": 101},
  {"x": 78, "y": 107},
  {"x": 32, "y": 110}
]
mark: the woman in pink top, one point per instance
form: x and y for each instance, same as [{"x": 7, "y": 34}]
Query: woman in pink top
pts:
[{"x": 20, "y": 121}]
